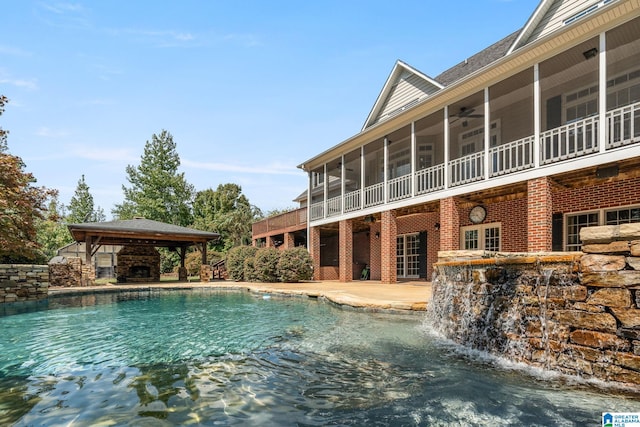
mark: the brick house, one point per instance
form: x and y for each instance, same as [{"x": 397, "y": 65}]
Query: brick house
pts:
[{"x": 560, "y": 103}]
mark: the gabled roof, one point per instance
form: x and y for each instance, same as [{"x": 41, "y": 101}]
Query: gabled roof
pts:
[
  {"x": 404, "y": 88},
  {"x": 531, "y": 25},
  {"x": 477, "y": 61},
  {"x": 139, "y": 231}
]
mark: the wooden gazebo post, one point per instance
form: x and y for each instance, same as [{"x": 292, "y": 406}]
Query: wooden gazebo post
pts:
[{"x": 182, "y": 271}]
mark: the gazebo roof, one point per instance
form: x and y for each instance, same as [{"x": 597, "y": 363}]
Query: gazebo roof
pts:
[{"x": 139, "y": 231}]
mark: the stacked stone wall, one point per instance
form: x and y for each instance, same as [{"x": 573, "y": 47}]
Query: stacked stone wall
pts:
[
  {"x": 23, "y": 282},
  {"x": 576, "y": 313}
]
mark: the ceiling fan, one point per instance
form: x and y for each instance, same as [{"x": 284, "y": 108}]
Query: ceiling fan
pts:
[{"x": 465, "y": 113}]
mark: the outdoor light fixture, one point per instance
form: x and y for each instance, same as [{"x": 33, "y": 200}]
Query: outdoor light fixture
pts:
[
  {"x": 369, "y": 219},
  {"x": 591, "y": 53},
  {"x": 377, "y": 234},
  {"x": 437, "y": 226}
]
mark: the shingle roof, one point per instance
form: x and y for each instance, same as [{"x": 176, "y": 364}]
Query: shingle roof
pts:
[
  {"x": 477, "y": 61},
  {"x": 140, "y": 227}
]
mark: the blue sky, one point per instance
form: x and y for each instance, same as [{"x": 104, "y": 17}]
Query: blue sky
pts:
[{"x": 248, "y": 89}]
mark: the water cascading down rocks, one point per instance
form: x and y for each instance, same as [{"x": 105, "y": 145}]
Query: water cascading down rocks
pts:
[{"x": 577, "y": 313}]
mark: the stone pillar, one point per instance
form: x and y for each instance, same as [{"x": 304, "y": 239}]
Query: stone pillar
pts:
[
  {"x": 539, "y": 215},
  {"x": 205, "y": 273},
  {"x": 449, "y": 225},
  {"x": 346, "y": 251},
  {"x": 182, "y": 274},
  {"x": 268, "y": 242},
  {"x": 388, "y": 247},
  {"x": 314, "y": 250},
  {"x": 289, "y": 241}
]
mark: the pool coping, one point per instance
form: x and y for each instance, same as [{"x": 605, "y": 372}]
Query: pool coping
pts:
[{"x": 407, "y": 297}]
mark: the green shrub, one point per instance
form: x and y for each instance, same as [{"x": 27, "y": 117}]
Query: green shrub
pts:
[
  {"x": 295, "y": 265},
  {"x": 266, "y": 264},
  {"x": 235, "y": 261},
  {"x": 250, "y": 274}
]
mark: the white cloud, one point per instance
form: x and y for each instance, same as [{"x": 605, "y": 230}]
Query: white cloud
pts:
[
  {"x": 27, "y": 84},
  {"x": 274, "y": 169},
  {"x": 51, "y": 133},
  {"x": 119, "y": 155}
]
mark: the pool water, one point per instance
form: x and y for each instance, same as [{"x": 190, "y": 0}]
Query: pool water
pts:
[{"x": 235, "y": 358}]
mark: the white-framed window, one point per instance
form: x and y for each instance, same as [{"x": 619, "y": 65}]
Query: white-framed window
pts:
[
  {"x": 408, "y": 255},
  {"x": 472, "y": 140},
  {"x": 623, "y": 89},
  {"x": 317, "y": 179},
  {"x": 425, "y": 155},
  {"x": 610, "y": 216},
  {"x": 481, "y": 237}
]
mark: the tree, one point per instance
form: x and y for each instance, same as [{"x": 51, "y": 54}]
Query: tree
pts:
[
  {"x": 81, "y": 207},
  {"x": 226, "y": 211},
  {"x": 21, "y": 204},
  {"x": 53, "y": 233},
  {"x": 157, "y": 190}
]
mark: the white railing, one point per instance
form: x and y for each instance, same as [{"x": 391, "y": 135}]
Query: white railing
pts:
[
  {"x": 317, "y": 211},
  {"x": 374, "y": 194},
  {"x": 352, "y": 201},
  {"x": 430, "y": 179},
  {"x": 511, "y": 157},
  {"x": 334, "y": 206},
  {"x": 467, "y": 169},
  {"x": 572, "y": 140},
  {"x": 623, "y": 125},
  {"x": 399, "y": 188}
]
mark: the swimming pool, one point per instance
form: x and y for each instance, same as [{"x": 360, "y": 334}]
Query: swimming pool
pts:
[{"x": 212, "y": 357}]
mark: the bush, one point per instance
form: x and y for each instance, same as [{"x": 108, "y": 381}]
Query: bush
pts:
[
  {"x": 250, "y": 274},
  {"x": 295, "y": 264},
  {"x": 235, "y": 261},
  {"x": 266, "y": 264}
]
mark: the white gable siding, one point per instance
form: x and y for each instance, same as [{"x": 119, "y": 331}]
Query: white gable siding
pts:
[
  {"x": 408, "y": 89},
  {"x": 555, "y": 16}
]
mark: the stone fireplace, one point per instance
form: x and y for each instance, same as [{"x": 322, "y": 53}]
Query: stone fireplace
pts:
[{"x": 138, "y": 264}]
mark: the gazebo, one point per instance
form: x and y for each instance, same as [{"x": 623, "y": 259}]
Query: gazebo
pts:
[{"x": 139, "y": 237}]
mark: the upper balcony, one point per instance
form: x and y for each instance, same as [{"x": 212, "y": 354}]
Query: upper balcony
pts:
[
  {"x": 288, "y": 221},
  {"x": 581, "y": 104}
]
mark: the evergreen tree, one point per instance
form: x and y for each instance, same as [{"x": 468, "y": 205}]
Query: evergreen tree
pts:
[
  {"x": 157, "y": 190},
  {"x": 81, "y": 207}
]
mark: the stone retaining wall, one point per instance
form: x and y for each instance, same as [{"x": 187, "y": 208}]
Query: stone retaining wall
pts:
[
  {"x": 23, "y": 282},
  {"x": 576, "y": 313}
]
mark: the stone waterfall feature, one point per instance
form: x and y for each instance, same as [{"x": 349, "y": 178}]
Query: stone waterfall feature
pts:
[{"x": 577, "y": 313}]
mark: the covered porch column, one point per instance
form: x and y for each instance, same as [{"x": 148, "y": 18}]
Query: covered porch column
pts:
[
  {"x": 289, "y": 241},
  {"x": 314, "y": 250},
  {"x": 449, "y": 224},
  {"x": 539, "y": 215},
  {"x": 346, "y": 251},
  {"x": 388, "y": 249}
]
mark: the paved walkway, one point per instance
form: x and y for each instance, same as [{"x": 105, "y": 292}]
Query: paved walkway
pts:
[{"x": 361, "y": 294}]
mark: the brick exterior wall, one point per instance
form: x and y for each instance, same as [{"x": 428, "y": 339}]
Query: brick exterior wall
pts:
[
  {"x": 388, "y": 242},
  {"x": 449, "y": 225},
  {"x": 314, "y": 249},
  {"x": 600, "y": 196},
  {"x": 374, "y": 251},
  {"x": 539, "y": 215},
  {"x": 346, "y": 251}
]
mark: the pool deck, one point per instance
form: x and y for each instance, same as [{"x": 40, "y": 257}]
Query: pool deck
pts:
[{"x": 373, "y": 295}]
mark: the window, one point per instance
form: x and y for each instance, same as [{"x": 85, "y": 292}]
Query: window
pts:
[
  {"x": 623, "y": 216},
  {"x": 481, "y": 237},
  {"x": 317, "y": 179},
  {"x": 616, "y": 216},
  {"x": 408, "y": 255}
]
